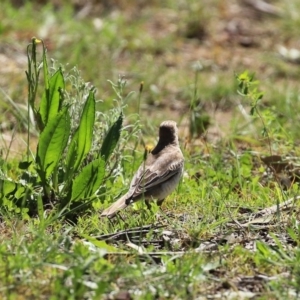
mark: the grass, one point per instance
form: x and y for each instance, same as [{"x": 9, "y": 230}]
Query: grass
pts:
[{"x": 212, "y": 237}]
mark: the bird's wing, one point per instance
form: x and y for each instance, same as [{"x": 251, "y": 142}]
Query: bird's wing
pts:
[{"x": 150, "y": 176}]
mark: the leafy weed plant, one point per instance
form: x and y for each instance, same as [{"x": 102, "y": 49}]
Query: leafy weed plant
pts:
[{"x": 68, "y": 171}]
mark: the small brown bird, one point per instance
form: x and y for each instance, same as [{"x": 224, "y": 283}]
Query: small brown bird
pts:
[{"x": 158, "y": 175}]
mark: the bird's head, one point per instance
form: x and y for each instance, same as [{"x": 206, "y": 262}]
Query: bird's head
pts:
[{"x": 168, "y": 132}]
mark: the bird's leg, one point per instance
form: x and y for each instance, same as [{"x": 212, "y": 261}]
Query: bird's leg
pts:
[
  {"x": 117, "y": 216},
  {"x": 120, "y": 216},
  {"x": 148, "y": 204},
  {"x": 160, "y": 202}
]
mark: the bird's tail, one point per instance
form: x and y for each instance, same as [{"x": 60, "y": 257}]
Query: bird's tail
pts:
[{"x": 115, "y": 207}]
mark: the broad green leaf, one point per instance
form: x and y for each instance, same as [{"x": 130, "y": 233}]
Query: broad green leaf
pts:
[
  {"x": 71, "y": 155},
  {"x": 82, "y": 139},
  {"x": 6, "y": 187},
  {"x": 112, "y": 138},
  {"x": 85, "y": 130},
  {"x": 21, "y": 191},
  {"x": 52, "y": 142},
  {"x": 89, "y": 180},
  {"x": 56, "y": 84},
  {"x": 51, "y": 99}
]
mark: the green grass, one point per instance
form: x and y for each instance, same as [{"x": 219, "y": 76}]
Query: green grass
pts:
[{"x": 208, "y": 239}]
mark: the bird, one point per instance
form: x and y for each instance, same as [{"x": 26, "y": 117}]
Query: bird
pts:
[{"x": 158, "y": 175}]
